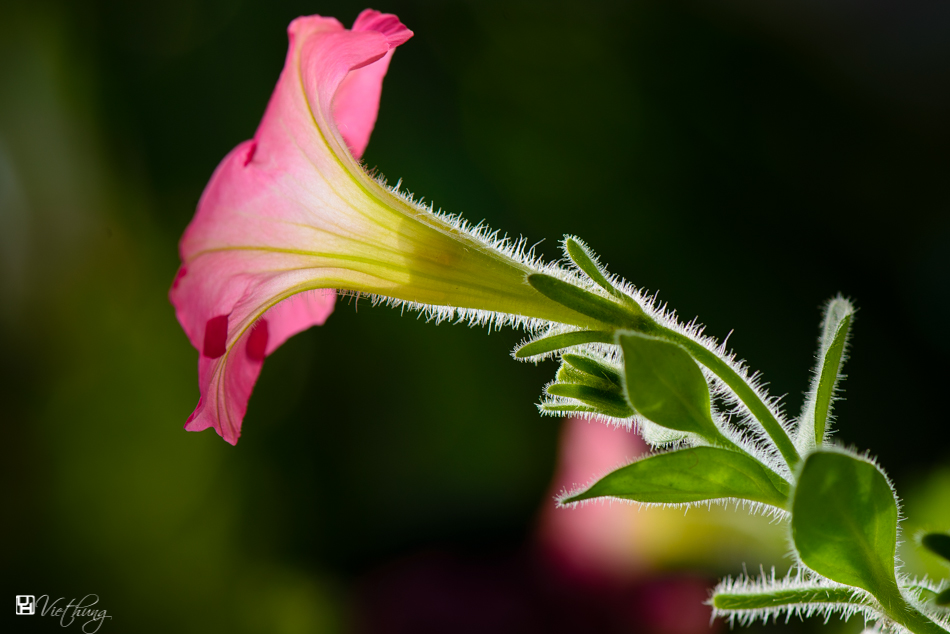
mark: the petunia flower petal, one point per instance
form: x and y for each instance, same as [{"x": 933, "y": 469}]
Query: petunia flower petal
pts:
[
  {"x": 356, "y": 103},
  {"x": 292, "y": 212},
  {"x": 225, "y": 390},
  {"x": 219, "y": 292}
]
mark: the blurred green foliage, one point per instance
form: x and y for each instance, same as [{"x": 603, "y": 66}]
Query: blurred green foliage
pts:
[{"x": 748, "y": 161}]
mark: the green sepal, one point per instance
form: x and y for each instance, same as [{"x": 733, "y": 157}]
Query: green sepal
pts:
[
  {"x": 844, "y": 524},
  {"x": 834, "y": 340},
  {"x": 587, "y": 303},
  {"x": 569, "y": 374},
  {"x": 584, "y": 260},
  {"x": 665, "y": 385},
  {"x": 607, "y": 403},
  {"x": 689, "y": 475},
  {"x": 830, "y": 372},
  {"x": 783, "y": 597},
  {"x": 836, "y": 324},
  {"x": 594, "y": 368},
  {"x": 561, "y": 341},
  {"x": 567, "y": 408},
  {"x": 923, "y": 593},
  {"x": 938, "y": 544}
]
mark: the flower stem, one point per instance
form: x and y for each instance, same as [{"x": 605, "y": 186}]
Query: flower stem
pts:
[
  {"x": 914, "y": 620},
  {"x": 743, "y": 390}
]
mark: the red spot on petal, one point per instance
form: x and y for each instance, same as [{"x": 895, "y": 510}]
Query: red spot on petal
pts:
[
  {"x": 216, "y": 336},
  {"x": 249, "y": 153},
  {"x": 257, "y": 341},
  {"x": 181, "y": 273}
]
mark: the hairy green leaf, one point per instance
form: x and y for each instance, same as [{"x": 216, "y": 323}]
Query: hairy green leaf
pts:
[
  {"x": 607, "y": 403},
  {"x": 666, "y": 386},
  {"x": 561, "y": 341},
  {"x": 943, "y": 598},
  {"x": 689, "y": 475},
  {"x": 844, "y": 523}
]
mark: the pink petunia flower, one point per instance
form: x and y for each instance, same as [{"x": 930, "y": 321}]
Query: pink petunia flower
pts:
[{"x": 292, "y": 213}]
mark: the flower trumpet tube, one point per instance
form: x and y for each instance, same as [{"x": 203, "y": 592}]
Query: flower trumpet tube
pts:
[{"x": 292, "y": 211}]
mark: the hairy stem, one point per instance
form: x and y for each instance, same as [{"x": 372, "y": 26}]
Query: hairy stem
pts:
[
  {"x": 778, "y": 598},
  {"x": 915, "y": 621},
  {"x": 899, "y": 610},
  {"x": 743, "y": 390}
]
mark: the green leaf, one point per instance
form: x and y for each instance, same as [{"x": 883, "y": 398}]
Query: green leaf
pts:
[
  {"x": 844, "y": 523},
  {"x": 666, "y": 386},
  {"x": 689, "y": 475},
  {"x": 564, "y": 340},
  {"x": 943, "y": 598},
  {"x": 937, "y": 543},
  {"x": 587, "y": 303},
  {"x": 783, "y": 597},
  {"x": 607, "y": 403},
  {"x": 594, "y": 368}
]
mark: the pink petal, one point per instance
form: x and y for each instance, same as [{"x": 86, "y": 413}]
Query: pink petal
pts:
[
  {"x": 357, "y": 99},
  {"x": 253, "y": 256},
  {"x": 297, "y": 313},
  {"x": 226, "y": 384},
  {"x": 386, "y": 23}
]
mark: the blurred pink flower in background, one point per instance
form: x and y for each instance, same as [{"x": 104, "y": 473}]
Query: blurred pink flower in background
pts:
[
  {"x": 586, "y": 569},
  {"x": 251, "y": 244},
  {"x": 596, "y": 540},
  {"x": 606, "y": 547}
]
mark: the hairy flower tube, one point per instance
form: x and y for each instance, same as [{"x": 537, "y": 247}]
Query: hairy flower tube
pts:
[{"x": 292, "y": 213}]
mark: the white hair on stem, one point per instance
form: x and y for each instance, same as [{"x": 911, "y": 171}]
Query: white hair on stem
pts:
[
  {"x": 736, "y": 415},
  {"x": 799, "y": 580}
]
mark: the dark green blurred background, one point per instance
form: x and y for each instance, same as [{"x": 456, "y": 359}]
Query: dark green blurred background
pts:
[{"x": 747, "y": 159}]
